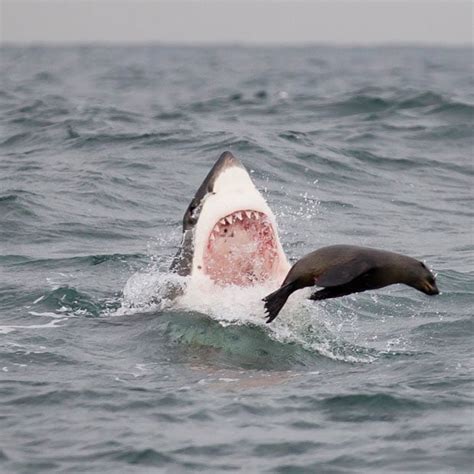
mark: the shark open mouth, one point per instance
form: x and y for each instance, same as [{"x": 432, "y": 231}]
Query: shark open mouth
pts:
[{"x": 241, "y": 249}]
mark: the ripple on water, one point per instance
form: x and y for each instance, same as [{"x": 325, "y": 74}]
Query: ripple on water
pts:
[{"x": 104, "y": 370}]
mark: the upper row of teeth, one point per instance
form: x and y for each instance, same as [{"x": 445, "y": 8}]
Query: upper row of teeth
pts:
[{"x": 239, "y": 216}]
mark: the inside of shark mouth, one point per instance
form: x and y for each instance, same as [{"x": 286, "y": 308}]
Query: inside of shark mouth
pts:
[{"x": 241, "y": 249}]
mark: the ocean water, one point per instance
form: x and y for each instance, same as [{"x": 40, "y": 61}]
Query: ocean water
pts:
[{"x": 101, "y": 150}]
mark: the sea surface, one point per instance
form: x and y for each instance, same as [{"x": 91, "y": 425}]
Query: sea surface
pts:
[{"x": 101, "y": 150}]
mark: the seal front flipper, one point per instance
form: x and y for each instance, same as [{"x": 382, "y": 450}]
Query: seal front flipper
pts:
[
  {"x": 276, "y": 300},
  {"x": 327, "y": 293},
  {"x": 340, "y": 271},
  {"x": 364, "y": 282}
]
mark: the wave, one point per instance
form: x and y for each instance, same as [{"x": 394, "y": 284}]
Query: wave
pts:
[
  {"x": 373, "y": 106},
  {"x": 69, "y": 301},
  {"x": 86, "y": 260},
  {"x": 441, "y": 330},
  {"x": 358, "y": 407}
]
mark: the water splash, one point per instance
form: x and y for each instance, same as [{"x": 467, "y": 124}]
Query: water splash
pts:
[
  {"x": 300, "y": 322},
  {"x": 150, "y": 290}
]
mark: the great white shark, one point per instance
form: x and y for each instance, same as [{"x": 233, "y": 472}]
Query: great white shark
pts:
[{"x": 230, "y": 233}]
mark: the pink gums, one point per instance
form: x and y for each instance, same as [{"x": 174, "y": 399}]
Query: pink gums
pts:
[{"x": 241, "y": 250}]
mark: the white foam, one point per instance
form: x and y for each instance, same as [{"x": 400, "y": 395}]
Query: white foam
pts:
[
  {"x": 37, "y": 300},
  {"x": 52, "y": 324},
  {"x": 47, "y": 314},
  {"x": 300, "y": 321},
  {"x": 229, "y": 304},
  {"x": 150, "y": 291}
]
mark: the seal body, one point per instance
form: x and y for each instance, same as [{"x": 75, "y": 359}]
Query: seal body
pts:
[{"x": 344, "y": 269}]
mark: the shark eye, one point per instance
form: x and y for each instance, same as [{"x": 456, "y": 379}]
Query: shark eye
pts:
[
  {"x": 192, "y": 207},
  {"x": 189, "y": 217}
]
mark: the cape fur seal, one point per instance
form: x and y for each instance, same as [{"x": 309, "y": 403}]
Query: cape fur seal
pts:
[{"x": 345, "y": 269}]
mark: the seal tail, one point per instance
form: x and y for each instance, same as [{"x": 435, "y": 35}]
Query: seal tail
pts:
[{"x": 276, "y": 300}]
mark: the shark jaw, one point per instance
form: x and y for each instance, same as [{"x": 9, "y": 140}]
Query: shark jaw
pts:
[{"x": 229, "y": 232}]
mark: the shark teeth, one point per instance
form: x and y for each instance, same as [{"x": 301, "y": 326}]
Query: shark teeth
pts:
[{"x": 233, "y": 219}]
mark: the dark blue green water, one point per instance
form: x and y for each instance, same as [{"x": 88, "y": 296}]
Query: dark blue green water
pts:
[{"x": 101, "y": 150}]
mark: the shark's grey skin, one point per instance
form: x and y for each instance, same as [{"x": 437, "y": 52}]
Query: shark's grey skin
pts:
[{"x": 182, "y": 262}]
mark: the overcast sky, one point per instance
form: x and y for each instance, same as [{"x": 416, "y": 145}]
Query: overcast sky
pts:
[{"x": 258, "y": 21}]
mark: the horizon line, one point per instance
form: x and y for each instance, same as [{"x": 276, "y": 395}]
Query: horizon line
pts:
[{"x": 236, "y": 44}]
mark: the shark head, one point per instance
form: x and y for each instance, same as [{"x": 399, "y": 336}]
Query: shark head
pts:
[{"x": 229, "y": 231}]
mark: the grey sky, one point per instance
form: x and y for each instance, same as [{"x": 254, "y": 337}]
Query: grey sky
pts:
[{"x": 258, "y": 21}]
